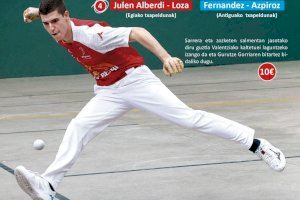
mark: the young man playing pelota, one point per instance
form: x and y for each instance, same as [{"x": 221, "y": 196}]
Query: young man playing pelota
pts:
[{"x": 123, "y": 82}]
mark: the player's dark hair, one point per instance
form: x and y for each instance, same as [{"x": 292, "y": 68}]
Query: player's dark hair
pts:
[{"x": 48, "y": 6}]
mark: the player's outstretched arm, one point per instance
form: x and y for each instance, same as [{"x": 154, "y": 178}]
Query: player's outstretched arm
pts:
[
  {"x": 171, "y": 65},
  {"x": 31, "y": 14}
]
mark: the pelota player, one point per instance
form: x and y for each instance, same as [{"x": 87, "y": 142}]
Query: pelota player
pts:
[{"x": 123, "y": 82}]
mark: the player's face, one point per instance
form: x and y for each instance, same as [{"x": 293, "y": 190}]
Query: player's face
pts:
[{"x": 57, "y": 25}]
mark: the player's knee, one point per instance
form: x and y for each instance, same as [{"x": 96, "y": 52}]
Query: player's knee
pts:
[
  {"x": 193, "y": 120},
  {"x": 79, "y": 124}
]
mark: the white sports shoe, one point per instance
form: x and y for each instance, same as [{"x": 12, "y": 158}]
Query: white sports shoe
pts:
[
  {"x": 271, "y": 155},
  {"x": 33, "y": 184}
]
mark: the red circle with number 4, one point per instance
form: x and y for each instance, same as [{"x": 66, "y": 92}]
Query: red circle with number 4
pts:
[
  {"x": 100, "y": 6},
  {"x": 267, "y": 71}
]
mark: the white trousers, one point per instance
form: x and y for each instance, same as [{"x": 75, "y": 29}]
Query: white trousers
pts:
[{"x": 143, "y": 90}]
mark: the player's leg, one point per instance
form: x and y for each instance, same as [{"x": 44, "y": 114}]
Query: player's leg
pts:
[
  {"x": 153, "y": 96},
  {"x": 98, "y": 113}
]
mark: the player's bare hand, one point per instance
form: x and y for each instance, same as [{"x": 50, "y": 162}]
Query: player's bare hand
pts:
[
  {"x": 30, "y": 14},
  {"x": 172, "y": 65}
]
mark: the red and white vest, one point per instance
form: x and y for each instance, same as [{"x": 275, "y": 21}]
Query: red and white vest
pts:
[{"x": 102, "y": 50}]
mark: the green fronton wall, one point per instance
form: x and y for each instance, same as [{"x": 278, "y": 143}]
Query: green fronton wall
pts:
[{"x": 28, "y": 50}]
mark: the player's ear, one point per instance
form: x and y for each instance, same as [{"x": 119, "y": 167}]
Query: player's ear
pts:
[{"x": 67, "y": 14}]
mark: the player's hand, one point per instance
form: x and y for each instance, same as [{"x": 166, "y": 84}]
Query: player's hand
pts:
[
  {"x": 30, "y": 14},
  {"x": 172, "y": 65}
]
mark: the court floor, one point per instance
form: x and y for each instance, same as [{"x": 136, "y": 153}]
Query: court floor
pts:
[{"x": 142, "y": 157}]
